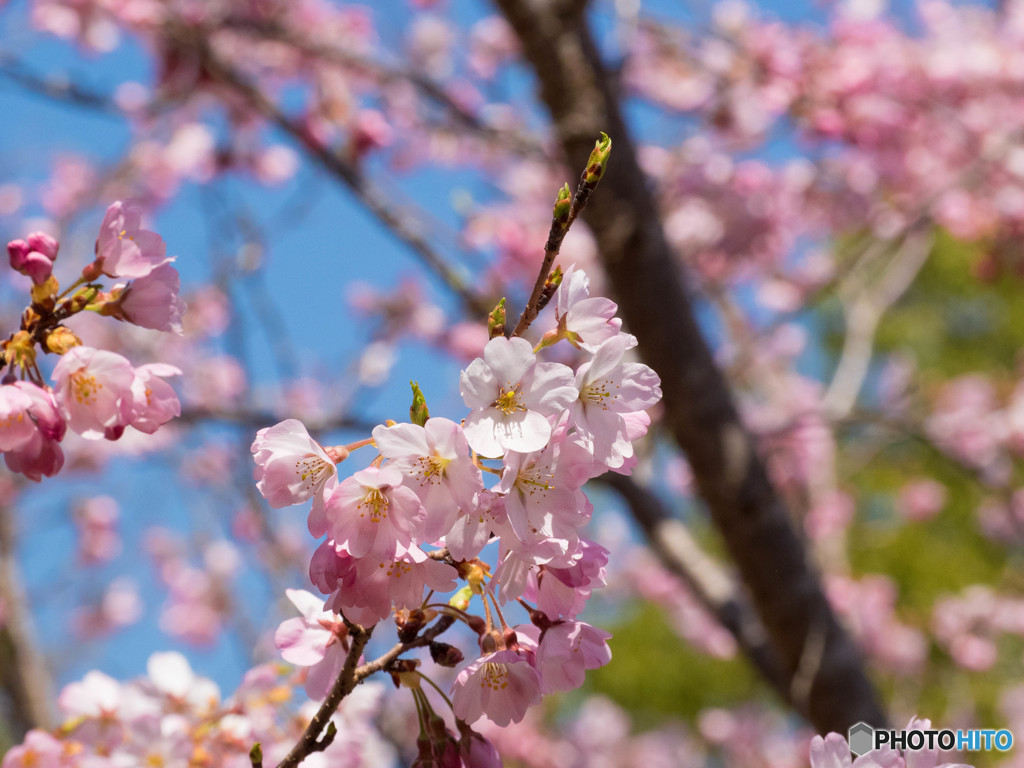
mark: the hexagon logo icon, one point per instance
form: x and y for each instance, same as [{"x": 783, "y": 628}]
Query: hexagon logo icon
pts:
[{"x": 861, "y": 737}]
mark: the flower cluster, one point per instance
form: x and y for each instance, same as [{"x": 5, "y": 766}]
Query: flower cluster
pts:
[
  {"x": 175, "y": 718},
  {"x": 419, "y": 518},
  {"x": 96, "y": 393}
]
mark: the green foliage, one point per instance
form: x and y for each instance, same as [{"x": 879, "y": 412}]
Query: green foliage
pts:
[
  {"x": 656, "y": 675},
  {"x": 951, "y": 323}
]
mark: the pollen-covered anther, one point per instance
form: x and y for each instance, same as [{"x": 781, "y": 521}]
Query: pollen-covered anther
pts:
[
  {"x": 495, "y": 676},
  {"x": 376, "y": 503},
  {"x": 431, "y": 469},
  {"x": 597, "y": 393},
  {"x": 312, "y": 470},
  {"x": 85, "y": 386},
  {"x": 510, "y": 401}
]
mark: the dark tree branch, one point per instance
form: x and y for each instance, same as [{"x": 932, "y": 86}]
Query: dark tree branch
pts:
[
  {"x": 310, "y": 741},
  {"x": 699, "y": 409},
  {"x": 681, "y": 556}
]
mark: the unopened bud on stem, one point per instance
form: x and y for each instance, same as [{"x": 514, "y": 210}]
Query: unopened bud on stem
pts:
[
  {"x": 496, "y": 320},
  {"x": 418, "y": 412},
  {"x": 598, "y": 160},
  {"x": 563, "y": 204}
]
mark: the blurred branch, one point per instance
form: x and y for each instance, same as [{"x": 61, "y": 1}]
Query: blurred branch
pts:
[
  {"x": 400, "y": 222},
  {"x": 519, "y": 142},
  {"x": 56, "y": 89},
  {"x": 257, "y": 419},
  {"x": 864, "y": 311},
  {"x": 699, "y": 409},
  {"x": 24, "y": 677},
  {"x": 683, "y": 557}
]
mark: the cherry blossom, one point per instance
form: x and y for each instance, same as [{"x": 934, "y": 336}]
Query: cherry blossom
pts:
[
  {"x": 93, "y": 389},
  {"x": 152, "y": 301},
  {"x": 512, "y": 395},
  {"x": 584, "y": 320},
  {"x": 565, "y": 650},
  {"x": 154, "y": 401},
  {"x": 435, "y": 460},
  {"x": 123, "y": 248},
  {"x": 313, "y": 640},
  {"x": 500, "y": 685},
  {"x": 373, "y": 514},
  {"x": 611, "y": 389},
  {"x": 292, "y": 467}
]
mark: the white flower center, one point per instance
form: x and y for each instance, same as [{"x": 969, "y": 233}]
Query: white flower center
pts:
[
  {"x": 599, "y": 393},
  {"x": 313, "y": 472}
]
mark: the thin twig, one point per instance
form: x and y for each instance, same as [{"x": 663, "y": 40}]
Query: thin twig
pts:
[
  {"x": 556, "y": 234},
  {"x": 350, "y": 676},
  {"x": 310, "y": 742}
]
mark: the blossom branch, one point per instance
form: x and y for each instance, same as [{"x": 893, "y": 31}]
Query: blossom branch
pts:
[
  {"x": 56, "y": 90},
  {"x": 561, "y": 221},
  {"x": 310, "y": 741},
  {"x": 520, "y": 142},
  {"x": 351, "y": 675},
  {"x": 700, "y": 412}
]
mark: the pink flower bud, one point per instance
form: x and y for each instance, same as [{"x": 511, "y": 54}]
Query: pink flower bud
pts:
[
  {"x": 30, "y": 262},
  {"x": 44, "y": 244},
  {"x": 17, "y": 250}
]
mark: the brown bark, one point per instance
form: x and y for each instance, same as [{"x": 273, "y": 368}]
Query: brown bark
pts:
[{"x": 826, "y": 678}]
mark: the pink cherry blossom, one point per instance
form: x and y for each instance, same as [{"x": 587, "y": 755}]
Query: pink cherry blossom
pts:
[
  {"x": 435, "y": 461},
  {"x": 292, "y": 467},
  {"x": 123, "y": 248},
  {"x": 93, "y": 389},
  {"x": 563, "y": 592},
  {"x": 152, "y": 301},
  {"x": 313, "y": 640},
  {"x": 172, "y": 676},
  {"x": 16, "y": 426},
  {"x": 586, "y": 321},
  {"x": 501, "y": 685},
  {"x": 565, "y": 651},
  {"x": 471, "y": 532},
  {"x": 154, "y": 401},
  {"x": 379, "y": 585},
  {"x": 42, "y": 454},
  {"x": 373, "y": 514},
  {"x": 39, "y": 750},
  {"x": 512, "y": 395},
  {"x": 611, "y": 389},
  {"x": 543, "y": 496},
  {"x": 833, "y": 752}
]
